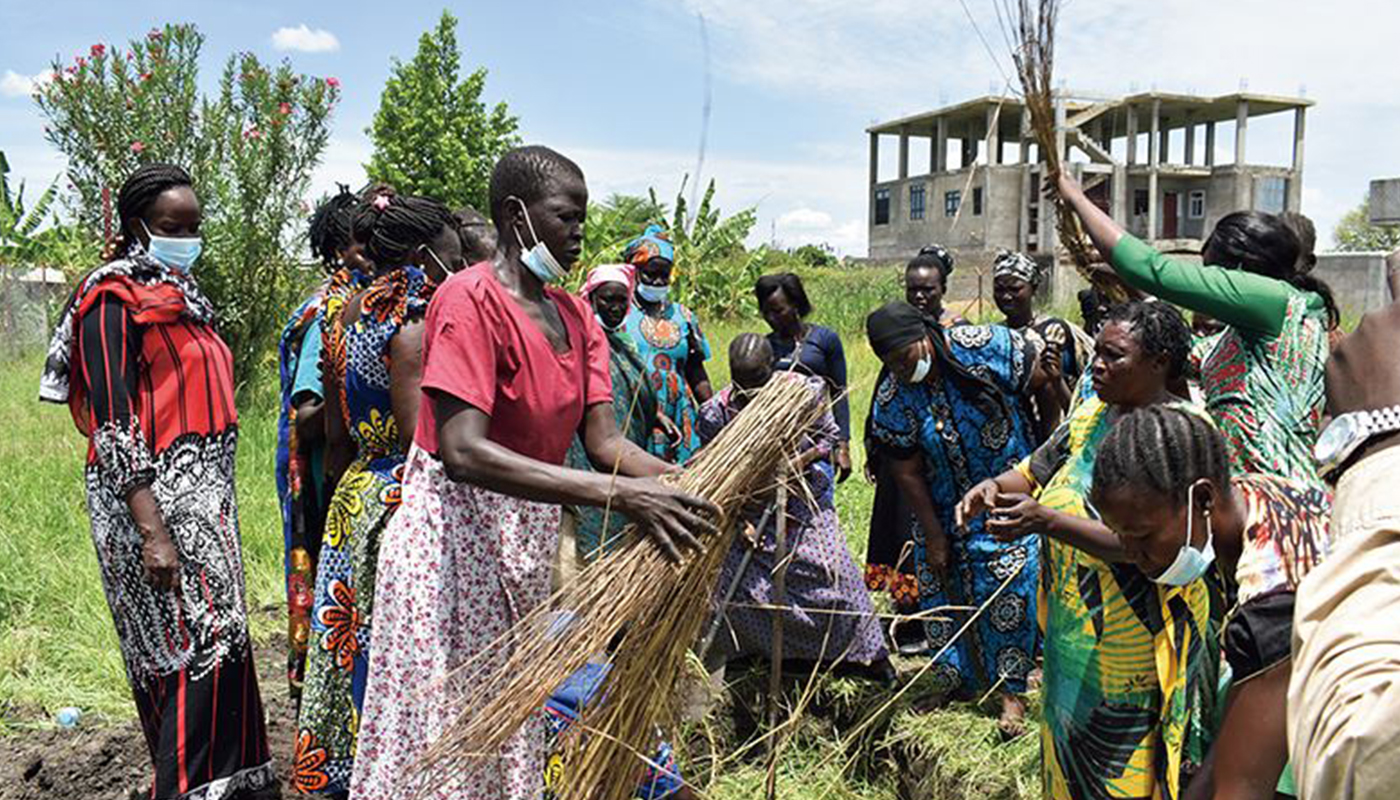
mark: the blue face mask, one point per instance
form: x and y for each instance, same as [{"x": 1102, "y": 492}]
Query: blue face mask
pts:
[
  {"x": 538, "y": 259},
  {"x": 653, "y": 294},
  {"x": 178, "y": 254},
  {"x": 1190, "y": 564}
]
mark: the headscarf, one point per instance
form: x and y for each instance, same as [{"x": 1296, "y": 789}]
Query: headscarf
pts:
[
  {"x": 653, "y": 243},
  {"x": 895, "y": 325},
  {"x": 624, "y": 274},
  {"x": 1017, "y": 265}
]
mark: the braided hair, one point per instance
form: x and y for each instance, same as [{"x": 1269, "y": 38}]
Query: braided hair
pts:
[
  {"x": 139, "y": 192},
  {"x": 1163, "y": 449},
  {"x": 329, "y": 228},
  {"x": 475, "y": 231},
  {"x": 391, "y": 227},
  {"x": 1159, "y": 329},
  {"x": 1265, "y": 245},
  {"x": 526, "y": 173}
]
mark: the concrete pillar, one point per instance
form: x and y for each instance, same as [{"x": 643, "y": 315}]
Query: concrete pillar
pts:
[
  {"x": 1295, "y": 184},
  {"x": 1049, "y": 218},
  {"x": 1025, "y": 140},
  {"x": 1023, "y": 236},
  {"x": 874, "y": 160},
  {"x": 993, "y": 138},
  {"x": 940, "y": 144},
  {"x": 1190, "y": 143},
  {"x": 1155, "y": 166},
  {"x": 1061, "y": 129},
  {"x": 903, "y": 153},
  {"x": 1132, "y": 135},
  {"x": 1164, "y": 148},
  {"x": 933, "y": 167},
  {"x": 1241, "y": 130},
  {"x": 1210, "y": 144},
  {"x": 1119, "y": 205}
]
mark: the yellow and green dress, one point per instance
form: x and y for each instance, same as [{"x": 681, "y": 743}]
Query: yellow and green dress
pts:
[{"x": 1130, "y": 665}]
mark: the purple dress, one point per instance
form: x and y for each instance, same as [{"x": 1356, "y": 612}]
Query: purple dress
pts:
[{"x": 821, "y": 575}]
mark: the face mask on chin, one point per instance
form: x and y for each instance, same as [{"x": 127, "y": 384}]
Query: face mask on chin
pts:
[
  {"x": 177, "y": 253},
  {"x": 1190, "y": 564},
  {"x": 538, "y": 259}
]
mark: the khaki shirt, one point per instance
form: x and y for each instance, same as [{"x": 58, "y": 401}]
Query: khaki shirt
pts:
[{"x": 1344, "y": 694}]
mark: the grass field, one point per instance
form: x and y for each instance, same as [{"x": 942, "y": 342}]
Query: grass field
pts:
[{"x": 58, "y": 647}]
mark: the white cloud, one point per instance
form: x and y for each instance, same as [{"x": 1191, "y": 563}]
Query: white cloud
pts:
[
  {"x": 305, "y": 40},
  {"x": 13, "y": 84},
  {"x": 804, "y": 219}
]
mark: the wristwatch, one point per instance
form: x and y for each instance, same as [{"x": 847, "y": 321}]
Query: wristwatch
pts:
[{"x": 1348, "y": 432}]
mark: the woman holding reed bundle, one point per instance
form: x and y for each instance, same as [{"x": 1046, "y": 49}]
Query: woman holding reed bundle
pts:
[
  {"x": 150, "y": 383},
  {"x": 373, "y": 409},
  {"x": 1114, "y": 723},
  {"x": 831, "y": 619},
  {"x": 608, "y": 291},
  {"x": 674, "y": 348},
  {"x": 1263, "y": 376},
  {"x": 513, "y": 369},
  {"x": 948, "y": 417},
  {"x": 889, "y": 556}
]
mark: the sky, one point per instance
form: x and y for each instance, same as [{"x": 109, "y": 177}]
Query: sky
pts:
[{"x": 620, "y": 86}]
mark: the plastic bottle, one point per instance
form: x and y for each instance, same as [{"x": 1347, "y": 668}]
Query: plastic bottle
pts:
[{"x": 68, "y": 717}]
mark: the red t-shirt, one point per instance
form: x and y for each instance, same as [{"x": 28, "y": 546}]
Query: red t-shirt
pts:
[{"x": 480, "y": 347}]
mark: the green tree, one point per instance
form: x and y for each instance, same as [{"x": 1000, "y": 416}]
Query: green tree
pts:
[
  {"x": 1356, "y": 233},
  {"x": 432, "y": 134},
  {"x": 250, "y": 149},
  {"x": 20, "y": 242},
  {"x": 613, "y": 223},
  {"x": 714, "y": 272}
]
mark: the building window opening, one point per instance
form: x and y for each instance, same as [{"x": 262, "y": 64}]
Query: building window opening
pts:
[
  {"x": 882, "y": 206},
  {"x": 977, "y": 201},
  {"x": 951, "y": 201},
  {"x": 1196, "y": 205},
  {"x": 1140, "y": 203},
  {"x": 916, "y": 201}
]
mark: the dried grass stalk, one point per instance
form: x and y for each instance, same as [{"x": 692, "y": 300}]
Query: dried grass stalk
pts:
[
  {"x": 658, "y": 606},
  {"x": 1032, "y": 36}
]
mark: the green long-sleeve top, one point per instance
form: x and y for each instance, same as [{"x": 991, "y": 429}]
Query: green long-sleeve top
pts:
[
  {"x": 1254, "y": 304},
  {"x": 1263, "y": 377}
]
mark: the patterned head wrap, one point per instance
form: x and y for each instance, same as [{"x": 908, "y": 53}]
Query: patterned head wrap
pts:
[
  {"x": 1017, "y": 265},
  {"x": 653, "y": 243},
  {"x": 609, "y": 273}
]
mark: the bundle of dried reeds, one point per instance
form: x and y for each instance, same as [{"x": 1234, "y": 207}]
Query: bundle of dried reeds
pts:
[
  {"x": 1031, "y": 33},
  {"x": 659, "y": 607}
]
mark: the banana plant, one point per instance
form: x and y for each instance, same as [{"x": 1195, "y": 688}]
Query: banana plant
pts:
[{"x": 21, "y": 243}]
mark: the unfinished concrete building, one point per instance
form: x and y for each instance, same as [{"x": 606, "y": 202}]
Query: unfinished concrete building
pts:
[{"x": 1121, "y": 149}]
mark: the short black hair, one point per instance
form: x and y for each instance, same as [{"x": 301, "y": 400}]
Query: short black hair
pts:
[
  {"x": 526, "y": 173},
  {"x": 1160, "y": 330},
  {"x": 932, "y": 256},
  {"x": 1163, "y": 449},
  {"x": 329, "y": 229},
  {"x": 792, "y": 289},
  {"x": 391, "y": 227},
  {"x": 140, "y": 190}
]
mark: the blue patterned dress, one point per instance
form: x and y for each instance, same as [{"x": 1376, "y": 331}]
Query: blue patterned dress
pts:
[
  {"x": 668, "y": 342},
  {"x": 965, "y": 443},
  {"x": 364, "y": 501}
]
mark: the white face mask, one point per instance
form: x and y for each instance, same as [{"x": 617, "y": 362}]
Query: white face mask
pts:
[
  {"x": 177, "y": 253},
  {"x": 605, "y": 326},
  {"x": 434, "y": 257},
  {"x": 922, "y": 369},
  {"x": 538, "y": 259},
  {"x": 653, "y": 294},
  {"x": 1190, "y": 564}
]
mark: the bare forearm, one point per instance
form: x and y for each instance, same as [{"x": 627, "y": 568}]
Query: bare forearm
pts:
[
  {"x": 1013, "y": 482},
  {"x": 489, "y": 465},
  {"x": 1092, "y": 537},
  {"x": 915, "y": 493},
  {"x": 699, "y": 381},
  {"x": 620, "y": 454},
  {"x": 145, "y": 513}
]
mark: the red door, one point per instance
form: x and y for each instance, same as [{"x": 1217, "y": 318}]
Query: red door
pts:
[{"x": 1169, "y": 215}]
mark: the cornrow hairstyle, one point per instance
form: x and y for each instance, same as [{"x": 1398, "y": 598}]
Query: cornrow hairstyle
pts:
[
  {"x": 750, "y": 350},
  {"x": 1159, "y": 329},
  {"x": 526, "y": 173},
  {"x": 1162, "y": 449},
  {"x": 474, "y": 229},
  {"x": 140, "y": 191},
  {"x": 1264, "y": 244},
  {"x": 791, "y": 286},
  {"x": 391, "y": 227},
  {"x": 329, "y": 229}
]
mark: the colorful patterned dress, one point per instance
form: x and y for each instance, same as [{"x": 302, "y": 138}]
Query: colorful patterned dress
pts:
[
  {"x": 821, "y": 575},
  {"x": 1130, "y": 665},
  {"x": 1262, "y": 377},
  {"x": 966, "y": 441},
  {"x": 364, "y": 501},
  {"x": 150, "y": 383},
  {"x": 668, "y": 340},
  {"x": 634, "y": 406},
  {"x": 302, "y": 516}
]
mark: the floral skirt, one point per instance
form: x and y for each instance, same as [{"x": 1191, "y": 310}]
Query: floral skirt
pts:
[
  {"x": 338, "y": 652},
  {"x": 458, "y": 566}
]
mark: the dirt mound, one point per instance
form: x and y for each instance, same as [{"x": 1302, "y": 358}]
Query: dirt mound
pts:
[{"x": 111, "y": 763}]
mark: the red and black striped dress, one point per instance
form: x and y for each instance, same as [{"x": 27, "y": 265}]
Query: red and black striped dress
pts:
[{"x": 151, "y": 384}]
